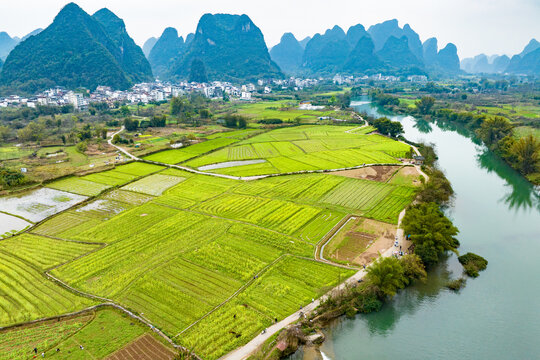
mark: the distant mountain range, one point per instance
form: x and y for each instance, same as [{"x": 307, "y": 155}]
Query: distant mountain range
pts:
[
  {"x": 7, "y": 43},
  {"x": 384, "y": 47},
  {"x": 79, "y": 50},
  {"x": 76, "y": 50},
  {"x": 527, "y": 62}
]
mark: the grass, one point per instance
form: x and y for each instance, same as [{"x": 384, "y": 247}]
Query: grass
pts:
[
  {"x": 15, "y": 344},
  {"x": 13, "y": 152},
  {"x": 107, "y": 332}
]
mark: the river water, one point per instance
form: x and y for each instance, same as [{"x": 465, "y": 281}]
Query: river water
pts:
[{"x": 497, "y": 315}]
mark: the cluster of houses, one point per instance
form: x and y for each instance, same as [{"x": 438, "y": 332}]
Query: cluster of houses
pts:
[
  {"x": 152, "y": 92},
  {"x": 349, "y": 80}
]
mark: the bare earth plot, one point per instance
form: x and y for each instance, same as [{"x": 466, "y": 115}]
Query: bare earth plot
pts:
[{"x": 144, "y": 348}]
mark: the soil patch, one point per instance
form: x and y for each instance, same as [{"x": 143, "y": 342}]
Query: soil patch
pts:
[
  {"x": 374, "y": 173},
  {"x": 361, "y": 241},
  {"x": 407, "y": 175},
  {"x": 144, "y": 348}
]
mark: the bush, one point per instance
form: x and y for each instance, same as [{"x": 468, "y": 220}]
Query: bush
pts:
[
  {"x": 270, "y": 121},
  {"x": 456, "y": 284},
  {"x": 368, "y": 302},
  {"x": 472, "y": 264}
]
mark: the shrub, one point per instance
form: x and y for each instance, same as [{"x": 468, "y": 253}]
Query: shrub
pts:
[
  {"x": 368, "y": 302},
  {"x": 472, "y": 264},
  {"x": 456, "y": 284}
]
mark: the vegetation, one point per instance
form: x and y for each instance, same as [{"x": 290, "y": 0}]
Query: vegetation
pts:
[
  {"x": 472, "y": 263},
  {"x": 456, "y": 284},
  {"x": 431, "y": 232}
]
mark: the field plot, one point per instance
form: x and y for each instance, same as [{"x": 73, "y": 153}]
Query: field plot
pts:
[
  {"x": 147, "y": 348},
  {"x": 180, "y": 155},
  {"x": 111, "y": 177},
  {"x": 388, "y": 209},
  {"x": 315, "y": 230},
  {"x": 232, "y": 325},
  {"x": 357, "y": 194},
  {"x": 178, "y": 293},
  {"x": 10, "y": 225},
  {"x": 28, "y": 295},
  {"x": 38, "y": 204},
  {"x": 78, "y": 186},
  {"x": 295, "y": 281},
  {"x": 306, "y": 148},
  {"x": 360, "y": 241},
  {"x": 138, "y": 168},
  {"x": 73, "y": 222},
  {"x": 193, "y": 190},
  {"x": 13, "y": 152},
  {"x": 154, "y": 184},
  {"x": 291, "y": 283},
  {"x": 107, "y": 332},
  {"x": 285, "y": 217},
  {"x": 15, "y": 344},
  {"x": 44, "y": 252}
]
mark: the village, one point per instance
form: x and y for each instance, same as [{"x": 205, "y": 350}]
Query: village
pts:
[{"x": 161, "y": 91}]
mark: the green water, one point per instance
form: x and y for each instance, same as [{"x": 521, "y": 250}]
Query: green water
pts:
[{"x": 496, "y": 316}]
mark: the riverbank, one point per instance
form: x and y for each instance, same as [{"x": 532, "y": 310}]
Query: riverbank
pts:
[{"x": 498, "y": 214}]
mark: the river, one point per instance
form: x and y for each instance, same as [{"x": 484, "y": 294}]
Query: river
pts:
[{"x": 497, "y": 315}]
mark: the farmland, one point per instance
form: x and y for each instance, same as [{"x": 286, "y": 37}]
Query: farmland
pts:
[
  {"x": 209, "y": 261},
  {"x": 305, "y": 148}
]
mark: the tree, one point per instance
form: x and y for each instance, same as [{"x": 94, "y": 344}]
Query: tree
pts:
[
  {"x": 527, "y": 152},
  {"x": 492, "y": 130},
  {"x": 177, "y": 105},
  {"x": 413, "y": 267},
  {"x": 124, "y": 110},
  {"x": 4, "y": 132},
  {"x": 31, "y": 132},
  {"x": 431, "y": 232},
  {"x": 387, "y": 126},
  {"x": 205, "y": 114},
  {"x": 386, "y": 276},
  {"x": 425, "y": 104},
  {"x": 131, "y": 124}
]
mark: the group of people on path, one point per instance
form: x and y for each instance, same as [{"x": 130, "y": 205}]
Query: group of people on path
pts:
[{"x": 35, "y": 351}]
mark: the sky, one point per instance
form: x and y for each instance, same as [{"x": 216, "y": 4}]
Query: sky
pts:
[{"x": 474, "y": 26}]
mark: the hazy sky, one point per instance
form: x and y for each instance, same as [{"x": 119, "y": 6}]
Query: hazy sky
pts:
[{"x": 475, "y": 26}]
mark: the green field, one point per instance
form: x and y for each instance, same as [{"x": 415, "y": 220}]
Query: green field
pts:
[
  {"x": 107, "y": 332},
  {"x": 301, "y": 148},
  {"x": 13, "y": 152},
  {"x": 209, "y": 261},
  {"x": 17, "y": 343},
  {"x": 176, "y": 156}
]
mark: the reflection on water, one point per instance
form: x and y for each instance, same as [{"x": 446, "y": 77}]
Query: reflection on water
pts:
[
  {"x": 521, "y": 194},
  {"x": 423, "y": 126}
]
